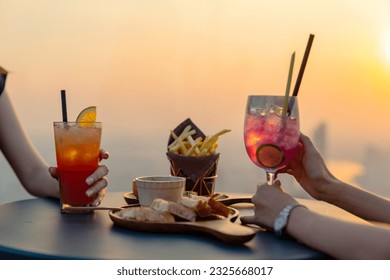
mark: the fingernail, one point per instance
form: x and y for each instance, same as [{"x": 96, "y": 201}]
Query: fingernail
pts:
[
  {"x": 89, "y": 193},
  {"x": 89, "y": 181}
]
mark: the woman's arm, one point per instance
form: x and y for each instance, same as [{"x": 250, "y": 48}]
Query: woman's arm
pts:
[
  {"x": 357, "y": 201},
  {"x": 337, "y": 238},
  {"x": 30, "y": 168},
  {"x": 310, "y": 171}
]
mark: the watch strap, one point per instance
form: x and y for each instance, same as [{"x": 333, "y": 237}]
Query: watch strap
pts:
[{"x": 281, "y": 220}]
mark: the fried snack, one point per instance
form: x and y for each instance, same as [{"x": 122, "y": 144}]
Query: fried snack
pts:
[
  {"x": 146, "y": 214},
  {"x": 199, "y": 205},
  {"x": 205, "y": 206},
  {"x": 218, "y": 208},
  {"x": 174, "y": 208},
  {"x": 185, "y": 145},
  {"x": 190, "y": 208},
  {"x": 194, "y": 156}
]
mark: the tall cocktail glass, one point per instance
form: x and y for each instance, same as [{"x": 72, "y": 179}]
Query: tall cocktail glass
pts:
[
  {"x": 271, "y": 135},
  {"x": 77, "y": 151}
]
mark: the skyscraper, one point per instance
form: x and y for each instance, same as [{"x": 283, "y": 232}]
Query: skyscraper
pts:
[{"x": 320, "y": 139}]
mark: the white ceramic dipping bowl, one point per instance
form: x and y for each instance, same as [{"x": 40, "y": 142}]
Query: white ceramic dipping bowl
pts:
[{"x": 166, "y": 187}]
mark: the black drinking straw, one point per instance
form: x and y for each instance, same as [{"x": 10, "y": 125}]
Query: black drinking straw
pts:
[
  {"x": 63, "y": 103},
  {"x": 301, "y": 71},
  {"x": 303, "y": 65}
]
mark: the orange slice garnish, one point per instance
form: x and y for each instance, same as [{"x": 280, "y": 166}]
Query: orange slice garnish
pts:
[{"x": 87, "y": 116}]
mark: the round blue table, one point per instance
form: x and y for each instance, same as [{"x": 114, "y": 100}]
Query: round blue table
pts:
[{"x": 35, "y": 229}]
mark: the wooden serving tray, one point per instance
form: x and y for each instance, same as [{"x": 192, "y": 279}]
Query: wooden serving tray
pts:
[
  {"x": 223, "y": 229},
  {"x": 223, "y": 198}
]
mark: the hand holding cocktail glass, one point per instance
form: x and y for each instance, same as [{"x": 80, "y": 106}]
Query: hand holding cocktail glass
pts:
[
  {"x": 97, "y": 180},
  {"x": 271, "y": 129},
  {"x": 81, "y": 179}
]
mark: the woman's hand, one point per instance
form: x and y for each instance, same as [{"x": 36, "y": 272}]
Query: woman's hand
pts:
[
  {"x": 97, "y": 180},
  {"x": 309, "y": 169},
  {"x": 268, "y": 202}
]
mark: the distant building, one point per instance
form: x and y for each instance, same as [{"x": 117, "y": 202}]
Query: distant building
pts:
[
  {"x": 320, "y": 139},
  {"x": 376, "y": 176}
]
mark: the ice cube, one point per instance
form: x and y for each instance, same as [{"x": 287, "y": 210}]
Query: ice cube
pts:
[
  {"x": 273, "y": 109},
  {"x": 70, "y": 154},
  {"x": 261, "y": 112},
  {"x": 273, "y": 124},
  {"x": 253, "y": 123}
]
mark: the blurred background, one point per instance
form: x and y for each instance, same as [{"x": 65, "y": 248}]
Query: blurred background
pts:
[{"x": 148, "y": 65}]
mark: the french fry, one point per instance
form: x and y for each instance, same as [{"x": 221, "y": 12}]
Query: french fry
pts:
[
  {"x": 185, "y": 144},
  {"x": 183, "y": 149},
  {"x": 210, "y": 141},
  {"x": 192, "y": 149},
  {"x": 186, "y": 132},
  {"x": 180, "y": 146},
  {"x": 195, "y": 144}
]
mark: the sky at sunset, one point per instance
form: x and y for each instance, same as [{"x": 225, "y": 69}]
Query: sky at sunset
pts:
[{"x": 148, "y": 65}]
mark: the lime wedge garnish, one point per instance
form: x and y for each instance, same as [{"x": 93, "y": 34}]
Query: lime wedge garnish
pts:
[{"x": 269, "y": 155}]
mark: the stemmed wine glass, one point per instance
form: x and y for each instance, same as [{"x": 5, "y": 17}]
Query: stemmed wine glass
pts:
[{"x": 271, "y": 133}]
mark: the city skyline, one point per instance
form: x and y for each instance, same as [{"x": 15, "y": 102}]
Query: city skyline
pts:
[{"x": 148, "y": 65}]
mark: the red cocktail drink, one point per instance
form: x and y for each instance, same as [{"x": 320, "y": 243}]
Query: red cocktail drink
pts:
[{"x": 77, "y": 151}]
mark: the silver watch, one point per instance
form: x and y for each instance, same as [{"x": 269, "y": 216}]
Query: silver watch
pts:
[{"x": 281, "y": 220}]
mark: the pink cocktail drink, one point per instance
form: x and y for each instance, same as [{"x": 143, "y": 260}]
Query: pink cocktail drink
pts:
[
  {"x": 271, "y": 132},
  {"x": 271, "y": 142}
]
